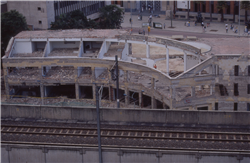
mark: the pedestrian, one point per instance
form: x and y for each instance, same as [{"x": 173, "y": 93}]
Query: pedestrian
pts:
[
  {"x": 164, "y": 25},
  {"x": 246, "y": 29},
  {"x": 143, "y": 32},
  {"x": 236, "y": 29},
  {"x": 155, "y": 66},
  {"x": 232, "y": 26},
  {"x": 130, "y": 20},
  {"x": 226, "y": 25},
  {"x": 226, "y": 29},
  {"x": 202, "y": 24}
]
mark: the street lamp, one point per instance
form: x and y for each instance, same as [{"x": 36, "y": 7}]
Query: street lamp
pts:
[
  {"x": 239, "y": 19},
  {"x": 131, "y": 16}
]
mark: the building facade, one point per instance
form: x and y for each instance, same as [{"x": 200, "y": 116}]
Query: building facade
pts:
[
  {"x": 180, "y": 9},
  {"x": 40, "y": 14}
]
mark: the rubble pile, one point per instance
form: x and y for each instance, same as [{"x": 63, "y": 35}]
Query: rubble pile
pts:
[
  {"x": 34, "y": 54},
  {"x": 104, "y": 75},
  {"x": 27, "y": 73},
  {"x": 61, "y": 73},
  {"x": 162, "y": 88},
  {"x": 139, "y": 78},
  {"x": 64, "y": 52},
  {"x": 86, "y": 73},
  {"x": 203, "y": 92},
  {"x": 182, "y": 93}
]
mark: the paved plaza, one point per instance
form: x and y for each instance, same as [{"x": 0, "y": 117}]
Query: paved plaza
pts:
[{"x": 215, "y": 28}]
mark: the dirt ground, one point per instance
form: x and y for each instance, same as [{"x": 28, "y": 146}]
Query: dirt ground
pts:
[{"x": 228, "y": 45}]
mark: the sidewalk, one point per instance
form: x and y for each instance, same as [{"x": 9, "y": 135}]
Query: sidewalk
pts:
[{"x": 216, "y": 28}]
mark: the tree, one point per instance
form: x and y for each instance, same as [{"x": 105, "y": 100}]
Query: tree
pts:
[
  {"x": 12, "y": 23},
  {"x": 111, "y": 17},
  {"x": 246, "y": 6},
  {"x": 221, "y": 5},
  {"x": 73, "y": 20},
  {"x": 198, "y": 4}
]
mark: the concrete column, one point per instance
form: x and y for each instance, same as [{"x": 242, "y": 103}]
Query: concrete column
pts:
[
  {"x": 42, "y": 93},
  {"x": 199, "y": 63},
  {"x": 171, "y": 97},
  {"x": 211, "y": 89},
  {"x": 77, "y": 91},
  {"x": 193, "y": 92},
  {"x": 93, "y": 73},
  {"x": 7, "y": 88},
  {"x": 185, "y": 61},
  {"x": 110, "y": 95},
  {"x": 126, "y": 76},
  {"x": 127, "y": 48},
  {"x": 167, "y": 61},
  {"x": 148, "y": 50},
  {"x": 153, "y": 83},
  {"x": 153, "y": 102},
  {"x": 126, "y": 97},
  {"x": 140, "y": 99}
]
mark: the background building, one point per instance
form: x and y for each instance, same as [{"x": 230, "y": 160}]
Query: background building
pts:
[
  {"x": 40, "y": 14},
  {"x": 180, "y": 9},
  {"x": 3, "y": 6}
]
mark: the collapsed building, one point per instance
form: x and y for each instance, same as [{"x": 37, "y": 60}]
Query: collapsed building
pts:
[{"x": 71, "y": 63}]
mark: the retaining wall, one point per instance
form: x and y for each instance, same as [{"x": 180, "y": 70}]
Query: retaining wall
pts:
[
  {"x": 129, "y": 116},
  {"x": 46, "y": 153}
]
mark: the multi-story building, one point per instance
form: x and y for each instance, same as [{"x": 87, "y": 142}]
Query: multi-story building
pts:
[
  {"x": 40, "y": 14},
  {"x": 180, "y": 9},
  {"x": 3, "y": 6},
  {"x": 71, "y": 63}
]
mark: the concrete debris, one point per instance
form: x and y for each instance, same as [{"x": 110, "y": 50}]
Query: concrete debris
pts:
[
  {"x": 28, "y": 73},
  {"x": 59, "y": 73},
  {"x": 64, "y": 52},
  {"x": 34, "y": 54}
]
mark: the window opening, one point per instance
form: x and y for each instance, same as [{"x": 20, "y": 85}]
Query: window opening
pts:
[
  {"x": 236, "y": 91},
  {"x": 216, "y": 106},
  {"x": 235, "y": 106},
  {"x": 236, "y": 70}
]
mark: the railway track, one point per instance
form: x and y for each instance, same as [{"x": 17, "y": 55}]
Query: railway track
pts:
[{"x": 242, "y": 137}]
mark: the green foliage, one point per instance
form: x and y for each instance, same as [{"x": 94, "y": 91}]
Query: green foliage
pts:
[
  {"x": 12, "y": 23},
  {"x": 73, "y": 20},
  {"x": 221, "y": 5},
  {"x": 245, "y": 5},
  {"x": 111, "y": 17}
]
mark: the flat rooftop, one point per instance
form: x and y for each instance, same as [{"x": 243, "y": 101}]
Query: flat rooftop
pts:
[{"x": 73, "y": 33}]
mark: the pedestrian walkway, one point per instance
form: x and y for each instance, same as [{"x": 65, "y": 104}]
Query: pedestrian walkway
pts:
[{"x": 216, "y": 28}]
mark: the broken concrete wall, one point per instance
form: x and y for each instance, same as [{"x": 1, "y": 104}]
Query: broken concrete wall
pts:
[
  {"x": 22, "y": 47},
  {"x": 102, "y": 50},
  {"x": 192, "y": 61}
]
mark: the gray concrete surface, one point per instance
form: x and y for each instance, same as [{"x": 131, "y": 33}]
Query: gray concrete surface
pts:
[
  {"x": 82, "y": 154},
  {"x": 127, "y": 116}
]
